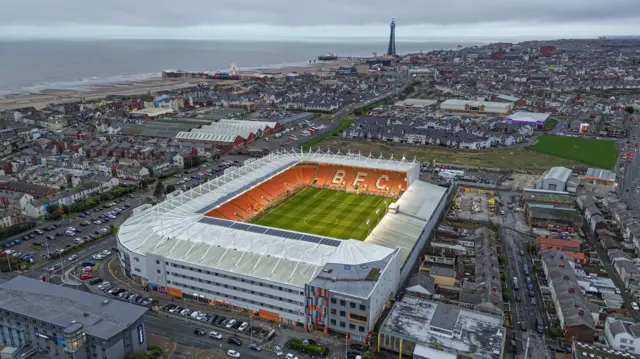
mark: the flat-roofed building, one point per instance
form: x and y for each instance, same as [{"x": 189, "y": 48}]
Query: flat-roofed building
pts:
[
  {"x": 426, "y": 329},
  {"x": 480, "y": 107},
  {"x": 68, "y": 323}
]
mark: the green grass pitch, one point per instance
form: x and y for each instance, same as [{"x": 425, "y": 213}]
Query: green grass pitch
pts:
[
  {"x": 327, "y": 213},
  {"x": 597, "y": 153}
]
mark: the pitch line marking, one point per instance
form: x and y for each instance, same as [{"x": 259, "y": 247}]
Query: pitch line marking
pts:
[{"x": 335, "y": 221}]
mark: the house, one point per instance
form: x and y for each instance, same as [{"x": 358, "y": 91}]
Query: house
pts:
[
  {"x": 568, "y": 247},
  {"x": 572, "y": 308},
  {"x": 622, "y": 334}
]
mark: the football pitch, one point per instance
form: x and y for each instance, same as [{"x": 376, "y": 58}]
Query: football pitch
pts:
[{"x": 327, "y": 213}]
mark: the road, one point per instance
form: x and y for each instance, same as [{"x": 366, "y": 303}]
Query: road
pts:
[
  {"x": 631, "y": 174},
  {"x": 512, "y": 231}
]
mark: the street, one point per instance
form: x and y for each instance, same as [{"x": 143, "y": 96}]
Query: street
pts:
[{"x": 517, "y": 254}]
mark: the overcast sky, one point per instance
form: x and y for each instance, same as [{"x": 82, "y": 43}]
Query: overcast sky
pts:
[{"x": 317, "y": 19}]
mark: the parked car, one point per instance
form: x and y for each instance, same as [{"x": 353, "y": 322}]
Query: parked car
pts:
[
  {"x": 230, "y": 323},
  {"x": 278, "y": 350}
]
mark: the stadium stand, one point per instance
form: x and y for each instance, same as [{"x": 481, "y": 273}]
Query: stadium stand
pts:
[{"x": 258, "y": 198}]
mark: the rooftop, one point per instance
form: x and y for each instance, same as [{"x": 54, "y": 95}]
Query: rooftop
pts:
[
  {"x": 539, "y": 196},
  {"x": 561, "y": 174},
  {"x": 599, "y": 173},
  {"x": 61, "y": 306},
  {"x": 454, "y": 329},
  {"x": 589, "y": 351}
]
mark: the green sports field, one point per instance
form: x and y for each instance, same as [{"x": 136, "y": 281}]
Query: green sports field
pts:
[
  {"x": 326, "y": 213},
  {"x": 592, "y": 152}
]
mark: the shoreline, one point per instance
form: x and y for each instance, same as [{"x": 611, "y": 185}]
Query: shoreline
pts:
[{"x": 45, "y": 97}]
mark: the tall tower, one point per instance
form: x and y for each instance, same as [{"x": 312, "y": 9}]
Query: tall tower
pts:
[{"x": 391, "y": 50}]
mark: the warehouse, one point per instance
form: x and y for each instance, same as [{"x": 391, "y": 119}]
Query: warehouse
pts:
[
  {"x": 67, "y": 323},
  {"x": 478, "y": 107},
  {"x": 532, "y": 118},
  {"x": 556, "y": 179},
  {"x": 229, "y": 134}
]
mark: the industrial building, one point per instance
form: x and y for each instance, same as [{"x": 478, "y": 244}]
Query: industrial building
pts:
[
  {"x": 600, "y": 176},
  {"x": 532, "y": 118},
  {"x": 544, "y": 208},
  {"x": 66, "y": 323},
  {"x": 559, "y": 179},
  {"x": 283, "y": 276},
  {"x": 229, "y": 134},
  {"x": 426, "y": 329},
  {"x": 477, "y": 107},
  {"x": 415, "y": 103}
]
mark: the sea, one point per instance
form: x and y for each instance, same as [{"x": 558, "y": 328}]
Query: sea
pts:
[{"x": 33, "y": 66}]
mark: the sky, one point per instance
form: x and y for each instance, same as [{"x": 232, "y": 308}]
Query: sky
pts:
[{"x": 317, "y": 19}]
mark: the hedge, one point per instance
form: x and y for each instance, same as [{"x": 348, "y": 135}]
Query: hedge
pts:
[{"x": 313, "y": 349}]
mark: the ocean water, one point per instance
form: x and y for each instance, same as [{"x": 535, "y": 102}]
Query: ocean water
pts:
[{"x": 32, "y": 66}]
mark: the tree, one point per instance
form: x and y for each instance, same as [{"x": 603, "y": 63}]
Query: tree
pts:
[
  {"x": 630, "y": 110},
  {"x": 501, "y": 258},
  {"x": 170, "y": 188},
  {"x": 159, "y": 191}
]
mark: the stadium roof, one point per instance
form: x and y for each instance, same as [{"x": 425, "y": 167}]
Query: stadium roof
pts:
[
  {"x": 415, "y": 208},
  {"x": 177, "y": 228}
]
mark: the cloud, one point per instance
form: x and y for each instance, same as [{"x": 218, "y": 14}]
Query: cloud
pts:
[{"x": 316, "y": 19}]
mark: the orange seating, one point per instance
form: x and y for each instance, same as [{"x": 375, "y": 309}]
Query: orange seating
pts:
[
  {"x": 245, "y": 203},
  {"x": 228, "y": 211},
  {"x": 257, "y": 196},
  {"x": 323, "y": 175},
  {"x": 349, "y": 177},
  {"x": 306, "y": 173}
]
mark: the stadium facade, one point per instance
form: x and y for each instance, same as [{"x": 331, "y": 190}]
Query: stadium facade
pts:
[{"x": 195, "y": 245}]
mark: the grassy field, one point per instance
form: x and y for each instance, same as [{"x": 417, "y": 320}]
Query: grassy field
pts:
[
  {"x": 597, "y": 153},
  {"x": 326, "y": 213},
  {"x": 516, "y": 158}
]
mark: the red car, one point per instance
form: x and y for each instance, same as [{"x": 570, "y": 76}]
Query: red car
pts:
[{"x": 85, "y": 276}]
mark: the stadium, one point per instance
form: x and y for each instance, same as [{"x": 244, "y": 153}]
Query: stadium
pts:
[{"x": 316, "y": 239}]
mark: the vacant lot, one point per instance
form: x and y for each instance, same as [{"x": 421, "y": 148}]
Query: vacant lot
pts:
[
  {"x": 597, "y": 153},
  {"x": 516, "y": 158},
  {"x": 327, "y": 213}
]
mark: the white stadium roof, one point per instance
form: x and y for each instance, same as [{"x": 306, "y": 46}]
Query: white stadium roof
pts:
[{"x": 177, "y": 228}]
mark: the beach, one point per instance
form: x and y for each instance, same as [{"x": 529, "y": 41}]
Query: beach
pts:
[{"x": 153, "y": 85}]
